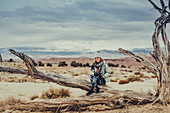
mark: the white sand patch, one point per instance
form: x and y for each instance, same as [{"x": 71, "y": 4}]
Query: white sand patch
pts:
[
  {"x": 135, "y": 86},
  {"x": 26, "y": 90}
]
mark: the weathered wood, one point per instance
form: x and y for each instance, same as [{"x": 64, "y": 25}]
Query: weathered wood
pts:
[
  {"x": 1, "y": 59},
  {"x": 56, "y": 78},
  {"x": 162, "y": 68},
  {"x": 29, "y": 62},
  {"x": 99, "y": 102},
  {"x": 13, "y": 70},
  {"x": 140, "y": 59},
  {"x": 108, "y": 97}
]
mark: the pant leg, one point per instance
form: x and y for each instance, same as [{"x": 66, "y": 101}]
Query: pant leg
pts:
[{"x": 94, "y": 83}]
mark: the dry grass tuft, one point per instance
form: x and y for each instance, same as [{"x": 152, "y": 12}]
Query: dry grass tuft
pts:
[
  {"x": 9, "y": 101},
  {"x": 123, "y": 81},
  {"x": 137, "y": 73},
  {"x": 34, "y": 97},
  {"x": 55, "y": 93},
  {"x": 112, "y": 80},
  {"x": 133, "y": 78}
]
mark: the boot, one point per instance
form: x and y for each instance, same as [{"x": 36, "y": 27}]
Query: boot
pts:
[
  {"x": 97, "y": 90},
  {"x": 89, "y": 93}
]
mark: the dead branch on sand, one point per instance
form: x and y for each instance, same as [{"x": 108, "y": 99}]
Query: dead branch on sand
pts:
[{"x": 107, "y": 99}]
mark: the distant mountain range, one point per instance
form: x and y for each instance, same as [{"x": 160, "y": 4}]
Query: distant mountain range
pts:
[{"x": 39, "y": 53}]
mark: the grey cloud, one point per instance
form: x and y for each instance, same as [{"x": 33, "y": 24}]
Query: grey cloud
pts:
[{"x": 89, "y": 20}]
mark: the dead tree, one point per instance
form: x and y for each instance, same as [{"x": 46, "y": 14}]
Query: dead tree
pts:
[
  {"x": 0, "y": 59},
  {"x": 108, "y": 97},
  {"x": 29, "y": 62},
  {"x": 162, "y": 68}
]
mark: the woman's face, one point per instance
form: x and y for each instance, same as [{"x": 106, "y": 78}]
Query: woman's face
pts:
[{"x": 97, "y": 59}]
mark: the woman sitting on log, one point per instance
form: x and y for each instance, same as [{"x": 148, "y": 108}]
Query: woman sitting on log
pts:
[{"x": 99, "y": 73}]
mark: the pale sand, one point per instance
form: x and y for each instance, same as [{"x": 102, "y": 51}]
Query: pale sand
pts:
[
  {"x": 145, "y": 86},
  {"x": 26, "y": 90}
]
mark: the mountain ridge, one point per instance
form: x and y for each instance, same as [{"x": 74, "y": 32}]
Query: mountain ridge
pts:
[{"x": 41, "y": 52}]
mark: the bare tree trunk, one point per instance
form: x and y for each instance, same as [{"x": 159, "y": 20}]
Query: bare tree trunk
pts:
[
  {"x": 0, "y": 59},
  {"x": 29, "y": 62},
  {"x": 108, "y": 97},
  {"x": 162, "y": 69}
]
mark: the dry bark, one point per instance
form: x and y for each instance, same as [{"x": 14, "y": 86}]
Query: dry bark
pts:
[
  {"x": 29, "y": 62},
  {"x": 108, "y": 98},
  {"x": 1, "y": 59},
  {"x": 96, "y": 102},
  {"x": 162, "y": 68}
]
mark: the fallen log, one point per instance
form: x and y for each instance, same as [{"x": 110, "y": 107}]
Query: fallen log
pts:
[
  {"x": 95, "y": 102},
  {"x": 107, "y": 99}
]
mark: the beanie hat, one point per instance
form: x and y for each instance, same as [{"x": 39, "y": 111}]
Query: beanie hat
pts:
[{"x": 98, "y": 54}]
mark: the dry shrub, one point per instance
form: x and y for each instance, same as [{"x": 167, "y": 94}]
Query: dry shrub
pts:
[
  {"x": 11, "y": 80},
  {"x": 55, "y": 93},
  {"x": 130, "y": 71},
  {"x": 20, "y": 94},
  {"x": 51, "y": 71},
  {"x": 141, "y": 75},
  {"x": 121, "y": 70},
  {"x": 111, "y": 72},
  {"x": 34, "y": 97},
  {"x": 75, "y": 75},
  {"x": 112, "y": 80},
  {"x": 123, "y": 81},
  {"x": 110, "y": 76},
  {"x": 117, "y": 78},
  {"x": 137, "y": 73},
  {"x": 9, "y": 101},
  {"x": 153, "y": 76},
  {"x": 133, "y": 78}
]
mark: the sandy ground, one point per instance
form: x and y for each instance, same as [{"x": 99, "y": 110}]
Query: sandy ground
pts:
[
  {"x": 148, "y": 108},
  {"x": 24, "y": 90},
  {"x": 27, "y": 89}
]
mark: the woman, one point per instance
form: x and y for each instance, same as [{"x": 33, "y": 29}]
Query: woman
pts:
[{"x": 99, "y": 74}]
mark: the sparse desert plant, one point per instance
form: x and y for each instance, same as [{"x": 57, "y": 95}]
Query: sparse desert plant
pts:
[
  {"x": 117, "y": 78},
  {"x": 123, "y": 66},
  {"x": 40, "y": 63},
  {"x": 73, "y": 64},
  {"x": 49, "y": 65},
  {"x": 10, "y": 101},
  {"x": 110, "y": 75},
  {"x": 75, "y": 74},
  {"x": 111, "y": 72},
  {"x": 112, "y": 80},
  {"x": 121, "y": 70},
  {"x": 33, "y": 97},
  {"x": 137, "y": 73},
  {"x": 55, "y": 93},
  {"x": 113, "y": 65},
  {"x": 141, "y": 75},
  {"x": 132, "y": 78},
  {"x": 11, "y": 80},
  {"x": 123, "y": 81},
  {"x": 62, "y": 64},
  {"x": 153, "y": 76},
  {"x": 10, "y": 60},
  {"x": 87, "y": 65},
  {"x": 20, "y": 94}
]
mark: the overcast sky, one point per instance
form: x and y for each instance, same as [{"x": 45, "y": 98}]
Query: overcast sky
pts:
[{"x": 77, "y": 24}]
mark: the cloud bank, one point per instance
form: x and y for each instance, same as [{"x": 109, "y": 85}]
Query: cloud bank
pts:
[{"x": 76, "y": 24}]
